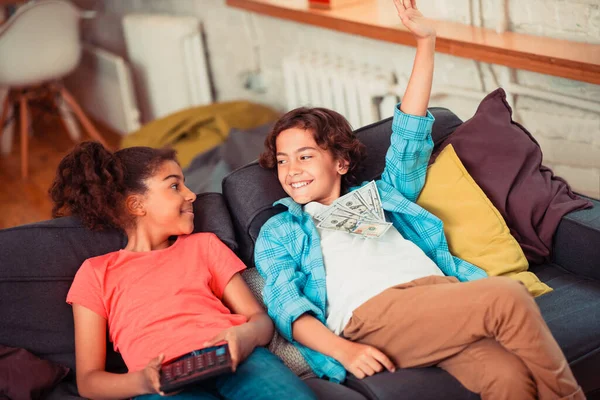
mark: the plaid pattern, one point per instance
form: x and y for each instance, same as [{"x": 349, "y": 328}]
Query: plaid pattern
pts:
[{"x": 288, "y": 249}]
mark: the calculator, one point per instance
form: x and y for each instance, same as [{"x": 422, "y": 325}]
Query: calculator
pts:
[{"x": 195, "y": 367}]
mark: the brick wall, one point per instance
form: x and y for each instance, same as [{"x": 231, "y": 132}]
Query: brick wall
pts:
[{"x": 570, "y": 137}]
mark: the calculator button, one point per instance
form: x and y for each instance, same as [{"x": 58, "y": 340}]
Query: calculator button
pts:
[
  {"x": 188, "y": 366},
  {"x": 210, "y": 359},
  {"x": 177, "y": 370},
  {"x": 200, "y": 364}
]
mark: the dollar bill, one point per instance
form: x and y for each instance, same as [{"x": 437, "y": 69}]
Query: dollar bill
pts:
[
  {"x": 364, "y": 203},
  {"x": 356, "y": 203},
  {"x": 340, "y": 220},
  {"x": 370, "y": 193}
]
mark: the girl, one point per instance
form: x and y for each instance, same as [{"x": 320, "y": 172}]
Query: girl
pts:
[
  {"x": 365, "y": 305},
  {"x": 168, "y": 292}
]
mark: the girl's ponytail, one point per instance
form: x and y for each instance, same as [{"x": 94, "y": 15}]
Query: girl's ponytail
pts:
[{"x": 89, "y": 184}]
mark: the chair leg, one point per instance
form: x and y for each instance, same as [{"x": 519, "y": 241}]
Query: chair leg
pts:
[
  {"x": 8, "y": 133},
  {"x": 68, "y": 118},
  {"x": 82, "y": 117},
  {"x": 4, "y": 115},
  {"x": 24, "y": 136}
]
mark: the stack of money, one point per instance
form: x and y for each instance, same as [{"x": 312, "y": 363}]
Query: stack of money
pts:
[{"x": 358, "y": 212}]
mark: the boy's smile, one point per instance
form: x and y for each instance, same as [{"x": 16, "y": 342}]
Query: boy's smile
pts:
[{"x": 305, "y": 170}]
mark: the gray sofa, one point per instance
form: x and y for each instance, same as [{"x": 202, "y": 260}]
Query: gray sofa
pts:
[
  {"x": 572, "y": 310},
  {"x": 39, "y": 261},
  {"x": 37, "y": 265}
]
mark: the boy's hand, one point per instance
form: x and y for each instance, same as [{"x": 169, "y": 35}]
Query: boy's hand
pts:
[
  {"x": 363, "y": 360},
  {"x": 413, "y": 20},
  {"x": 240, "y": 341},
  {"x": 152, "y": 375}
]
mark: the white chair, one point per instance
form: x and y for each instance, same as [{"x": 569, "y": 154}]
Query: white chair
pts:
[{"x": 39, "y": 45}]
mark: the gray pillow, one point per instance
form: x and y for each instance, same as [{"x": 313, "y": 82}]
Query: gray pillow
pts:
[
  {"x": 206, "y": 172},
  {"x": 244, "y": 146},
  {"x": 279, "y": 346}
]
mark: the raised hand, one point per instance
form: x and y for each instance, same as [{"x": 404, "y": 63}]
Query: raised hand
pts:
[{"x": 413, "y": 20}]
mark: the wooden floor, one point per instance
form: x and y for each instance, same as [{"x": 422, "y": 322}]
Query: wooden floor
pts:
[{"x": 27, "y": 201}]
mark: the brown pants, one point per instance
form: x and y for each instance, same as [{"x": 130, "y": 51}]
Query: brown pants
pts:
[{"x": 489, "y": 334}]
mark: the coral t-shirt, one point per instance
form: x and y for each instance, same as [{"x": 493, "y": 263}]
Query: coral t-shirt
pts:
[{"x": 162, "y": 301}]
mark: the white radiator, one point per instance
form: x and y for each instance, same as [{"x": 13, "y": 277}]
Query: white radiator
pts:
[
  {"x": 358, "y": 92},
  {"x": 167, "y": 55},
  {"x": 103, "y": 86}
]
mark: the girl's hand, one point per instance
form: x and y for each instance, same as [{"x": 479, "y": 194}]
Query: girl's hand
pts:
[
  {"x": 363, "y": 360},
  {"x": 152, "y": 375},
  {"x": 413, "y": 20},
  {"x": 240, "y": 341}
]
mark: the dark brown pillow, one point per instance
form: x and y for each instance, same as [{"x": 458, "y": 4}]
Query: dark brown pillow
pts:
[
  {"x": 506, "y": 162},
  {"x": 24, "y": 376}
]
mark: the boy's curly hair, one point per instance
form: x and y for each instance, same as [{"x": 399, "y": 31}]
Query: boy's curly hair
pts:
[{"x": 332, "y": 132}]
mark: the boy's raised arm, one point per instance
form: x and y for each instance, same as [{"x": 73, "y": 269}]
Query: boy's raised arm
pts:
[
  {"x": 411, "y": 144},
  {"x": 418, "y": 90}
]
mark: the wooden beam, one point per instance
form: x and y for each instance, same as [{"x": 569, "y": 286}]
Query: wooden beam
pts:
[{"x": 563, "y": 58}]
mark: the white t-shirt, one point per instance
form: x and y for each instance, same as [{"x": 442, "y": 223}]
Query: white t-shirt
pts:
[{"x": 358, "y": 268}]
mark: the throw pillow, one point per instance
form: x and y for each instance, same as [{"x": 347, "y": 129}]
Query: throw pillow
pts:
[
  {"x": 475, "y": 230},
  {"x": 24, "y": 376},
  {"x": 244, "y": 146},
  {"x": 279, "y": 346},
  {"x": 505, "y": 161}
]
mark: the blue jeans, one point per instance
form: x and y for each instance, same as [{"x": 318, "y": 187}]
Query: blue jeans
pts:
[{"x": 262, "y": 376}]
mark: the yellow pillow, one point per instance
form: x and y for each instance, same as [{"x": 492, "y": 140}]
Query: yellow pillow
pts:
[{"x": 475, "y": 230}]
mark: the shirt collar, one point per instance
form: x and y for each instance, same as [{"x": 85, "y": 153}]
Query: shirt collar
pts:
[{"x": 294, "y": 208}]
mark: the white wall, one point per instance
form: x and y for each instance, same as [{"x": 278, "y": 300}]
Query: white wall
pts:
[{"x": 570, "y": 137}]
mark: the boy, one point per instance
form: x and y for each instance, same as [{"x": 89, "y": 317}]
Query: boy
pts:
[{"x": 362, "y": 305}]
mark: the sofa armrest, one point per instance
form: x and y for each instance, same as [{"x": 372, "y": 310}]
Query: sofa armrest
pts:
[{"x": 577, "y": 242}]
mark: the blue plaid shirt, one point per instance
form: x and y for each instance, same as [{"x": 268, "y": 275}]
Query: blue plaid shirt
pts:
[{"x": 288, "y": 249}]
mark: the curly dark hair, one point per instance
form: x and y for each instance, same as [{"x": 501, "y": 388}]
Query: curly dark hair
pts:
[
  {"x": 331, "y": 131},
  {"x": 92, "y": 182}
]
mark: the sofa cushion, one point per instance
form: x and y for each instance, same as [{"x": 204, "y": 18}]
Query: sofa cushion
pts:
[
  {"x": 251, "y": 190},
  {"x": 505, "y": 161},
  {"x": 475, "y": 230},
  {"x": 38, "y": 263},
  {"x": 244, "y": 146},
  {"x": 412, "y": 383},
  {"x": 66, "y": 390},
  {"x": 25, "y": 376},
  {"x": 572, "y": 312},
  {"x": 278, "y": 345},
  {"x": 573, "y": 249},
  {"x": 326, "y": 390}
]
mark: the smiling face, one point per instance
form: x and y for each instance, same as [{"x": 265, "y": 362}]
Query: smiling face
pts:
[
  {"x": 168, "y": 204},
  {"x": 306, "y": 171}
]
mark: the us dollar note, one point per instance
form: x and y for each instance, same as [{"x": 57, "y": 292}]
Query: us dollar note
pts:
[
  {"x": 354, "y": 202},
  {"x": 342, "y": 221},
  {"x": 370, "y": 193}
]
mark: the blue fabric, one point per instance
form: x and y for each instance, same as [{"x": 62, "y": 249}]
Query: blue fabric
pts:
[
  {"x": 288, "y": 249},
  {"x": 262, "y": 376}
]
